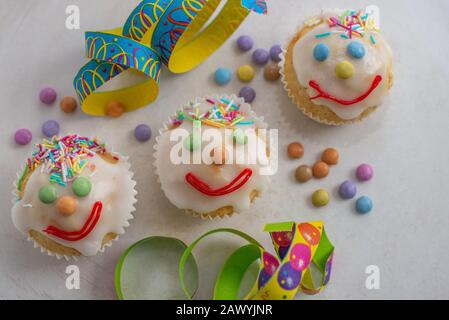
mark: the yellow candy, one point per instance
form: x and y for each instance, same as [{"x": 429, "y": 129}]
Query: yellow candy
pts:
[
  {"x": 344, "y": 70},
  {"x": 246, "y": 73},
  {"x": 320, "y": 198}
]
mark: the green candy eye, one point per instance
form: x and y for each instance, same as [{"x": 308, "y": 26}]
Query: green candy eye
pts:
[
  {"x": 81, "y": 186},
  {"x": 48, "y": 194}
]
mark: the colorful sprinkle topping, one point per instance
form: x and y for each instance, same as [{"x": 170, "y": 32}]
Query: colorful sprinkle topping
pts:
[
  {"x": 323, "y": 35},
  {"x": 64, "y": 159},
  {"x": 354, "y": 23},
  {"x": 222, "y": 114}
]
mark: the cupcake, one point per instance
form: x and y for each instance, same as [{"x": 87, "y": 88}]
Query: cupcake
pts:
[
  {"x": 212, "y": 157},
  {"x": 338, "y": 67},
  {"x": 74, "y": 196}
]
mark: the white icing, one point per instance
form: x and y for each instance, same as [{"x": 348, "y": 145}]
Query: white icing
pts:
[
  {"x": 183, "y": 195},
  {"x": 377, "y": 61},
  {"x": 112, "y": 184}
]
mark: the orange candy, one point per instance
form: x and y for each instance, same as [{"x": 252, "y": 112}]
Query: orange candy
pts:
[
  {"x": 330, "y": 156},
  {"x": 320, "y": 169},
  {"x": 66, "y": 205},
  {"x": 295, "y": 150},
  {"x": 115, "y": 109},
  {"x": 68, "y": 104}
]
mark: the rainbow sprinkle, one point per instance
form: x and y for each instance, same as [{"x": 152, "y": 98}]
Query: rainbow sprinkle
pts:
[
  {"x": 63, "y": 158},
  {"x": 323, "y": 35},
  {"x": 354, "y": 23},
  {"x": 222, "y": 114}
]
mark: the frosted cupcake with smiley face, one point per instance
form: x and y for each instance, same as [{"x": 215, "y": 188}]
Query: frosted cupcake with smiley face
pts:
[
  {"x": 74, "y": 197},
  {"x": 212, "y": 158},
  {"x": 338, "y": 67}
]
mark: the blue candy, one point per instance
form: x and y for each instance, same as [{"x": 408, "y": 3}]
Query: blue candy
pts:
[
  {"x": 321, "y": 52},
  {"x": 356, "y": 50},
  {"x": 222, "y": 76},
  {"x": 364, "y": 205}
]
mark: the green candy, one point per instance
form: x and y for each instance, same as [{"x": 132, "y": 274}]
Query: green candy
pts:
[
  {"x": 239, "y": 136},
  {"x": 192, "y": 142},
  {"x": 47, "y": 194},
  {"x": 320, "y": 198},
  {"x": 81, "y": 186}
]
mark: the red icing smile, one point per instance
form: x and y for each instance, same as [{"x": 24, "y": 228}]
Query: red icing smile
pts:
[
  {"x": 323, "y": 94},
  {"x": 87, "y": 228},
  {"x": 234, "y": 185}
]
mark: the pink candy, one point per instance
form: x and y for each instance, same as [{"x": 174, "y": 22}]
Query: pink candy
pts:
[
  {"x": 47, "y": 95},
  {"x": 23, "y": 136},
  {"x": 364, "y": 172}
]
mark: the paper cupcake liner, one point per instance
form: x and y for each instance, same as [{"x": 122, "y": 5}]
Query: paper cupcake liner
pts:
[
  {"x": 15, "y": 193},
  {"x": 207, "y": 216},
  {"x": 215, "y": 214},
  {"x": 312, "y": 22},
  {"x": 166, "y": 127}
]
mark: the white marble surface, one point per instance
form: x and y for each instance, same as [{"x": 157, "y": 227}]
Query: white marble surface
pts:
[{"x": 406, "y": 142}]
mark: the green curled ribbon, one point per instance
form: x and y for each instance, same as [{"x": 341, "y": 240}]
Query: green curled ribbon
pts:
[{"x": 303, "y": 262}]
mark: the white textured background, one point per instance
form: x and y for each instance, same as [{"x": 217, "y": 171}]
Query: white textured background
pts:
[{"x": 406, "y": 142}]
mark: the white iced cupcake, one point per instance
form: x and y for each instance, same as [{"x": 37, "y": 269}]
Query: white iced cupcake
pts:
[
  {"x": 338, "y": 67},
  {"x": 212, "y": 157},
  {"x": 74, "y": 197}
]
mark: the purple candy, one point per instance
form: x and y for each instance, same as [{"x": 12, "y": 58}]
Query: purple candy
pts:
[
  {"x": 364, "y": 172},
  {"x": 245, "y": 43},
  {"x": 248, "y": 94},
  {"x": 142, "y": 132},
  {"x": 23, "y": 136},
  {"x": 50, "y": 128},
  {"x": 47, "y": 95},
  {"x": 275, "y": 53},
  {"x": 260, "y": 56},
  {"x": 347, "y": 190}
]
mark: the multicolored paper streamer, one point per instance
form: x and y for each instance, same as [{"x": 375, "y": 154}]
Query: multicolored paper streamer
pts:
[
  {"x": 303, "y": 262},
  {"x": 172, "y": 32}
]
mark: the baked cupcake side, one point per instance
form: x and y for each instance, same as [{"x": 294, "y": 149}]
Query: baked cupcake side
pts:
[
  {"x": 73, "y": 196},
  {"x": 220, "y": 186},
  {"x": 337, "y": 76}
]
